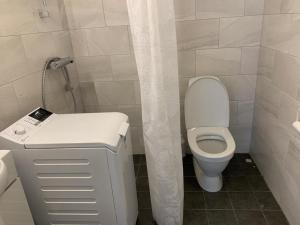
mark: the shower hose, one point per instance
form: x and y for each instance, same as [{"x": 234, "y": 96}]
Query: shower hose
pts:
[{"x": 68, "y": 86}]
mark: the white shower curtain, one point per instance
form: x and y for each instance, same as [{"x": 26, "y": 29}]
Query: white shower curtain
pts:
[{"x": 152, "y": 24}]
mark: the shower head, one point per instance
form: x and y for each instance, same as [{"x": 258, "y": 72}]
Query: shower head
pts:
[{"x": 58, "y": 63}]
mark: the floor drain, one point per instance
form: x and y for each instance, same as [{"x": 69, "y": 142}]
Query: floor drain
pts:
[{"x": 248, "y": 160}]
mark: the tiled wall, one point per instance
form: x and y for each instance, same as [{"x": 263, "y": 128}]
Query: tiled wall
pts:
[
  {"x": 215, "y": 37},
  {"x": 25, "y": 43},
  {"x": 105, "y": 62},
  {"x": 276, "y": 145}
]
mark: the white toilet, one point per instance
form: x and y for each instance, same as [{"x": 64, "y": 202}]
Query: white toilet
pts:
[{"x": 207, "y": 121}]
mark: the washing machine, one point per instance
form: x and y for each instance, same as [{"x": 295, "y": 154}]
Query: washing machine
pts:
[{"x": 75, "y": 168}]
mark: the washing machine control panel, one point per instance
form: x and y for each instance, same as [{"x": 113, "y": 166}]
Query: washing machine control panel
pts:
[
  {"x": 23, "y": 128},
  {"x": 40, "y": 115}
]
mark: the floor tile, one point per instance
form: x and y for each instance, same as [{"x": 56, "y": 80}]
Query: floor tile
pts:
[
  {"x": 221, "y": 217},
  {"x": 144, "y": 200},
  {"x": 188, "y": 170},
  {"x": 136, "y": 169},
  {"x": 276, "y": 218},
  {"x": 194, "y": 200},
  {"x": 257, "y": 183},
  {"x": 139, "y": 159},
  {"x": 243, "y": 200},
  {"x": 239, "y": 183},
  {"x": 240, "y": 157},
  {"x": 195, "y": 217},
  {"x": 241, "y": 169},
  {"x": 191, "y": 184},
  {"x": 244, "y": 189},
  {"x": 142, "y": 184},
  {"x": 266, "y": 201},
  {"x": 218, "y": 200},
  {"x": 145, "y": 217},
  {"x": 143, "y": 171},
  {"x": 188, "y": 159},
  {"x": 136, "y": 159},
  {"x": 250, "y": 218}
]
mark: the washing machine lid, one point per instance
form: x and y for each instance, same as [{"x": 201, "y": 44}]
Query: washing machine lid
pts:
[
  {"x": 206, "y": 103},
  {"x": 86, "y": 130}
]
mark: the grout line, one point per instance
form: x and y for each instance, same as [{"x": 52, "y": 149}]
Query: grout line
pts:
[
  {"x": 234, "y": 211},
  {"x": 205, "y": 208}
]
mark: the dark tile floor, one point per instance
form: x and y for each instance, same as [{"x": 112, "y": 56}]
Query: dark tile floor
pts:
[{"x": 244, "y": 199}]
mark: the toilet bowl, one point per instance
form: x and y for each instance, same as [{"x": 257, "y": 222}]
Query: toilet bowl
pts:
[{"x": 207, "y": 121}]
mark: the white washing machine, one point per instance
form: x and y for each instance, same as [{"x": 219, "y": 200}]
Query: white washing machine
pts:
[{"x": 75, "y": 168}]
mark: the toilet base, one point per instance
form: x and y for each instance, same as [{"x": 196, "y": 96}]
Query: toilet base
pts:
[{"x": 208, "y": 183}]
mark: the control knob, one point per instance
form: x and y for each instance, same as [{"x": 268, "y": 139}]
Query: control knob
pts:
[{"x": 19, "y": 130}]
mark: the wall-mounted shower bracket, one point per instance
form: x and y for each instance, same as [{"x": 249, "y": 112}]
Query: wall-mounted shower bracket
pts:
[{"x": 44, "y": 12}]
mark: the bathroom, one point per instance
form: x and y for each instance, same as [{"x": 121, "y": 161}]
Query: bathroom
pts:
[{"x": 157, "y": 62}]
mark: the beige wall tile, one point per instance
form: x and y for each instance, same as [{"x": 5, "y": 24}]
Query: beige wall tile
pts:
[
  {"x": 115, "y": 12},
  {"x": 290, "y": 6},
  {"x": 272, "y": 6},
  {"x": 277, "y": 31},
  {"x": 287, "y": 110},
  {"x": 249, "y": 62},
  {"x": 219, "y": 8},
  {"x": 233, "y": 113},
  {"x": 124, "y": 67},
  {"x": 63, "y": 44},
  {"x": 240, "y": 88},
  {"x": 28, "y": 91},
  {"x": 293, "y": 162},
  {"x": 254, "y": 7},
  {"x": 16, "y": 17},
  {"x": 94, "y": 68},
  {"x": 108, "y": 41},
  {"x": 13, "y": 60},
  {"x": 84, "y": 13},
  {"x": 88, "y": 94},
  {"x": 187, "y": 63},
  {"x": 9, "y": 108},
  {"x": 197, "y": 34},
  {"x": 185, "y": 9},
  {"x": 267, "y": 96},
  {"x": 23, "y": 55},
  {"x": 266, "y": 62},
  {"x": 245, "y": 113},
  {"x": 57, "y": 16},
  {"x": 294, "y": 47},
  {"x": 224, "y": 61},
  {"x": 242, "y": 137},
  {"x": 79, "y": 42},
  {"x": 133, "y": 112},
  {"x": 240, "y": 31},
  {"x": 116, "y": 93},
  {"x": 39, "y": 46},
  {"x": 286, "y": 73}
]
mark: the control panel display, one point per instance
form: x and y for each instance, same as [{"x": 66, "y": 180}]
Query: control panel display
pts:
[{"x": 40, "y": 114}]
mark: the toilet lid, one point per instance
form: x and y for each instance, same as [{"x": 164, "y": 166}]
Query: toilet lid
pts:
[{"x": 206, "y": 103}]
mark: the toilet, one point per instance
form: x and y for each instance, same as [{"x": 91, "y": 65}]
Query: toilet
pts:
[{"x": 207, "y": 120}]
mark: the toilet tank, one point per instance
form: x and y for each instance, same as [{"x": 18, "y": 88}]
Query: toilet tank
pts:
[{"x": 206, "y": 103}]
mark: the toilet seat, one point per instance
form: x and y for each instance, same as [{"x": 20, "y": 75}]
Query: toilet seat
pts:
[{"x": 219, "y": 132}]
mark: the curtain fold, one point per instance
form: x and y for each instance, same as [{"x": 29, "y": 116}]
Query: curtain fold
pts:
[{"x": 152, "y": 24}]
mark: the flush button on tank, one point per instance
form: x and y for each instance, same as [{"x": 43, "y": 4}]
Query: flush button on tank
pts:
[{"x": 19, "y": 130}]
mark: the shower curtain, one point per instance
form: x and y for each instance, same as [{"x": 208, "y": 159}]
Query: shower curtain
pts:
[{"x": 152, "y": 24}]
